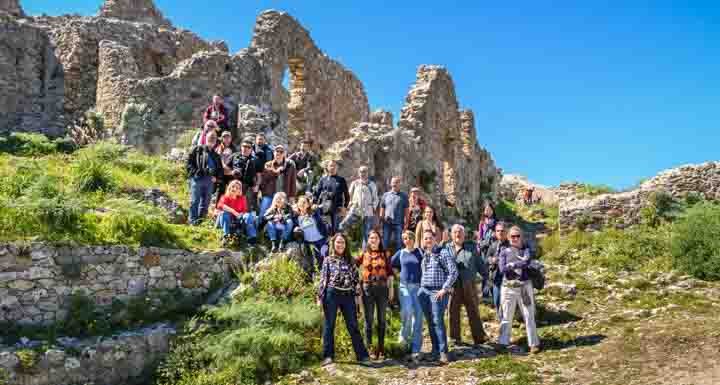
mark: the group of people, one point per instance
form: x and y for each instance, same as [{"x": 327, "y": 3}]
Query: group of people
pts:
[{"x": 402, "y": 238}]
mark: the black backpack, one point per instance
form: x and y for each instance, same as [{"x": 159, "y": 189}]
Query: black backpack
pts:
[{"x": 536, "y": 274}]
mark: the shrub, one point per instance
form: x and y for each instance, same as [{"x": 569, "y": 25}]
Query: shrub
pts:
[
  {"x": 92, "y": 174},
  {"x": 33, "y": 145},
  {"x": 284, "y": 279},
  {"x": 28, "y": 359},
  {"x": 660, "y": 207},
  {"x": 130, "y": 227},
  {"x": 695, "y": 242},
  {"x": 17, "y": 183},
  {"x": 53, "y": 219}
]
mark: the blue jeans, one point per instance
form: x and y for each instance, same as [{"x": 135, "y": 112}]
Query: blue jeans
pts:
[
  {"x": 200, "y": 191},
  {"x": 434, "y": 311},
  {"x": 226, "y": 221},
  {"x": 367, "y": 224},
  {"x": 265, "y": 203},
  {"x": 496, "y": 287},
  {"x": 282, "y": 229},
  {"x": 411, "y": 315},
  {"x": 332, "y": 301},
  {"x": 392, "y": 233}
]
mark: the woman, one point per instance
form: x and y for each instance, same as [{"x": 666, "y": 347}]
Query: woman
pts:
[
  {"x": 200, "y": 137},
  {"x": 517, "y": 290},
  {"x": 279, "y": 222},
  {"x": 415, "y": 210},
  {"x": 312, "y": 227},
  {"x": 429, "y": 222},
  {"x": 225, "y": 149},
  {"x": 377, "y": 280},
  {"x": 233, "y": 213},
  {"x": 338, "y": 288},
  {"x": 407, "y": 262}
]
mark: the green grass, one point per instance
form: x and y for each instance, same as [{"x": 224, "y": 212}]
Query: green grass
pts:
[
  {"x": 506, "y": 370},
  {"x": 49, "y": 191}
]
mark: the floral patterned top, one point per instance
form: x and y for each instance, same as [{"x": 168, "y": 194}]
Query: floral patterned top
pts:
[{"x": 338, "y": 274}]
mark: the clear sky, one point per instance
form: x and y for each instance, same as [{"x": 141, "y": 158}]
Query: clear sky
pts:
[{"x": 600, "y": 91}]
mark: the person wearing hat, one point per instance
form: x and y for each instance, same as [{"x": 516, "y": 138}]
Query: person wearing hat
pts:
[
  {"x": 304, "y": 161},
  {"x": 225, "y": 150},
  {"x": 244, "y": 169},
  {"x": 279, "y": 174}
]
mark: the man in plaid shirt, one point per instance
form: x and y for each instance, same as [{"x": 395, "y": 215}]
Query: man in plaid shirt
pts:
[{"x": 439, "y": 273}]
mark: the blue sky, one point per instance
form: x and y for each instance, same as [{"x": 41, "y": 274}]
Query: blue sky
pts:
[{"x": 600, "y": 91}]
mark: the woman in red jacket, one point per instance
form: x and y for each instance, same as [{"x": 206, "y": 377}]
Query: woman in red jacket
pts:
[{"x": 233, "y": 214}]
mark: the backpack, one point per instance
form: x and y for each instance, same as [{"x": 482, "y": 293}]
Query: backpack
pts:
[{"x": 536, "y": 273}]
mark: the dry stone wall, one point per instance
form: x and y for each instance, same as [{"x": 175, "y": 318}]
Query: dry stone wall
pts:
[
  {"x": 36, "y": 280},
  {"x": 121, "y": 359},
  {"x": 623, "y": 209}
]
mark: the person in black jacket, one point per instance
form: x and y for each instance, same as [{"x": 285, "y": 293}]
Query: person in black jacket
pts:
[
  {"x": 332, "y": 195},
  {"x": 244, "y": 169},
  {"x": 204, "y": 168}
]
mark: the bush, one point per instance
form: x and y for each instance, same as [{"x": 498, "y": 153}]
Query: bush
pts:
[
  {"x": 54, "y": 219},
  {"x": 285, "y": 279},
  {"x": 33, "y": 145},
  {"x": 91, "y": 174},
  {"x": 660, "y": 207},
  {"x": 696, "y": 243},
  {"x": 125, "y": 226}
]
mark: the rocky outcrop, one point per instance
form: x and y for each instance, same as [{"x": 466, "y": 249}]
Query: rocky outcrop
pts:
[
  {"x": 31, "y": 79},
  {"x": 36, "y": 280},
  {"x": 623, "y": 209},
  {"x": 11, "y": 7},
  {"x": 121, "y": 359},
  {"x": 324, "y": 99},
  {"x": 433, "y": 147},
  {"x": 143, "y": 11}
]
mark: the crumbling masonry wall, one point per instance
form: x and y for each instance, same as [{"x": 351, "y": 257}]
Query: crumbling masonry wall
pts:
[{"x": 325, "y": 98}]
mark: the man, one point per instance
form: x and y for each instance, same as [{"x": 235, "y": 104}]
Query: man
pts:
[
  {"x": 216, "y": 112},
  {"x": 469, "y": 265},
  {"x": 439, "y": 273},
  {"x": 393, "y": 210},
  {"x": 499, "y": 241},
  {"x": 263, "y": 151},
  {"x": 204, "y": 168},
  {"x": 279, "y": 175},
  {"x": 304, "y": 162},
  {"x": 331, "y": 193},
  {"x": 363, "y": 203},
  {"x": 243, "y": 169}
]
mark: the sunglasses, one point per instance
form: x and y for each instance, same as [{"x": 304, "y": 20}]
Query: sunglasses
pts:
[{"x": 514, "y": 236}]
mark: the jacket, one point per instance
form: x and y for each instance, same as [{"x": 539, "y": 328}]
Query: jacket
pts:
[
  {"x": 222, "y": 117},
  {"x": 198, "y": 164},
  {"x": 335, "y": 188},
  {"x": 269, "y": 179},
  {"x": 243, "y": 169},
  {"x": 469, "y": 262},
  {"x": 317, "y": 216},
  {"x": 285, "y": 213}
]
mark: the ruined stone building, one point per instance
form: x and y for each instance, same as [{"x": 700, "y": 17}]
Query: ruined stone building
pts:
[{"x": 150, "y": 81}]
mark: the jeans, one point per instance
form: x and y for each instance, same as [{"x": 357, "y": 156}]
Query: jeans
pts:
[
  {"x": 265, "y": 203},
  {"x": 411, "y": 315},
  {"x": 200, "y": 191},
  {"x": 434, "y": 311},
  {"x": 314, "y": 256},
  {"x": 345, "y": 301},
  {"x": 392, "y": 233},
  {"x": 375, "y": 297},
  {"x": 229, "y": 222},
  {"x": 511, "y": 298},
  {"x": 282, "y": 229},
  {"x": 367, "y": 224},
  {"x": 496, "y": 289}
]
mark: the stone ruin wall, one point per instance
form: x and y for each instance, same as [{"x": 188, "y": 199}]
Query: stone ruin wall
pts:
[
  {"x": 36, "y": 281},
  {"x": 623, "y": 209},
  {"x": 324, "y": 100},
  {"x": 434, "y": 147},
  {"x": 152, "y": 81},
  {"x": 31, "y": 80},
  {"x": 121, "y": 359}
]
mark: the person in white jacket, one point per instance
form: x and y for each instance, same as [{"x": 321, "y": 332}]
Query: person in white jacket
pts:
[{"x": 363, "y": 204}]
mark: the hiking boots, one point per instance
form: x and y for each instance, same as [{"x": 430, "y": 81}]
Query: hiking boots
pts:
[{"x": 535, "y": 349}]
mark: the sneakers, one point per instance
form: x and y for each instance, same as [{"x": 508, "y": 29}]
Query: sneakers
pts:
[
  {"x": 501, "y": 348},
  {"x": 274, "y": 247},
  {"x": 281, "y": 247},
  {"x": 415, "y": 358},
  {"x": 535, "y": 349},
  {"x": 327, "y": 361},
  {"x": 365, "y": 362}
]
